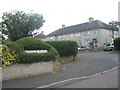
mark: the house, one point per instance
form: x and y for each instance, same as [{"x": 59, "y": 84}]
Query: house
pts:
[
  {"x": 94, "y": 31},
  {"x": 41, "y": 36}
]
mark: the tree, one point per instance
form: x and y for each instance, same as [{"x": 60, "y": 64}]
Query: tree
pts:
[
  {"x": 18, "y": 24},
  {"x": 113, "y": 23}
]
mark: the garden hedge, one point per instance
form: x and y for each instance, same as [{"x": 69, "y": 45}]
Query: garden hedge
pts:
[
  {"x": 117, "y": 44},
  {"x": 29, "y": 43},
  {"x": 65, "y": 47}
]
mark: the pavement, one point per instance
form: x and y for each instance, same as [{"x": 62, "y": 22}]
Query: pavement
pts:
[{"x": 86, "y": 64}]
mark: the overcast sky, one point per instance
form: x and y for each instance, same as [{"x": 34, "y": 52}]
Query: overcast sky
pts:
[{"x": 68, "y": 12}]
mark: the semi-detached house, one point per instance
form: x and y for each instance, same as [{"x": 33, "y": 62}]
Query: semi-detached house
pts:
[{"x": 93, "y": 31}]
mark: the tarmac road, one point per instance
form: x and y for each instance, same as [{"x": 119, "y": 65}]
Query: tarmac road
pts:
[
  {"x": 85, "y": 65},
  {"x": 106, "y": 80}
]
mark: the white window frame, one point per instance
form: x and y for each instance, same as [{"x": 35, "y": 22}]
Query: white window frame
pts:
[
  {"x": 51, "y": 38},
  {"x": 63, "y": 36},
  {"x": 47, "y": 38},
  {"x": 71, "y": 35},
  {"x": 95, "y": 31},
  {"x": 59, "y": 36},
  {"x": 110, "y": 34},
  {"x": 87, "y": 33},
  {"x": 87, "y": 42},
  {"x": 116, "y": 34},
  {"x": 77, "y": 34}
]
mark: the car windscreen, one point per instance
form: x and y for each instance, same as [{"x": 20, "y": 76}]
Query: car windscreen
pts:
[{"x": 107, "y": 44}]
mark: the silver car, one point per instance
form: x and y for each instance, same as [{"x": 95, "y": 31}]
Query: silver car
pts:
[{"x": 108, "y": 47}]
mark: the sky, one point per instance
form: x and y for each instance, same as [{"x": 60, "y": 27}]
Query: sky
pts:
[{"x": 68, "y": 12}]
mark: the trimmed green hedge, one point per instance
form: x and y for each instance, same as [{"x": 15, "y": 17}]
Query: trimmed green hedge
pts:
[
  {"x": 18, "y": 48},
  {"x": 29, "y": 43},
  {"x": 65, "y": 48},
  {"x": 117, "y": 44}
]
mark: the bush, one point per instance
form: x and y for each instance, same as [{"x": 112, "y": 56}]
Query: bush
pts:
[
  {"x": 65, "y": 48},
  {"x": 7, "y": 56},
  {"x": 18, "y": 48},
  {"x": 117, "y": 44},
  {"x": 30, "y": 43}
]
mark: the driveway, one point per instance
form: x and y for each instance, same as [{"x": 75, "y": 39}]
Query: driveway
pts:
[{"x": 85, "y": 65}]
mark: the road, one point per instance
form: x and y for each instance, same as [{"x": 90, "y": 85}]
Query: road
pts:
[
  {"x": 85, "y": 65},
  {"x": 106, "y": 80}
]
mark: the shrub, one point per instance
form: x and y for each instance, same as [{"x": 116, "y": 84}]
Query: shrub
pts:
[
  {"x": 18, "y": 48},
  {"x": 7, "y": 55},
  {"x": 65, "y": 48},
  {"x": 117, "y": 44},
  {"x": 30, "y": 43}
]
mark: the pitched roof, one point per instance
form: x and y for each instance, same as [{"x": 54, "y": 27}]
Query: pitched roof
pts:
[
  {"x": 82, "y": 27},
  {"x": 41, "y": 36}
]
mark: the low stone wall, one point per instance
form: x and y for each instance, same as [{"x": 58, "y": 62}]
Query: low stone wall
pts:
[
  {"x": 24, "y": 70},
  {"x": 98, "y": 49},
  {"x": 67, "y": 59}
]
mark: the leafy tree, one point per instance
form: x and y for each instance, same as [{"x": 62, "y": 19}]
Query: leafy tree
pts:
[
  {"x": 18, "y": 24},
  {"x": 113, "y": 23}
]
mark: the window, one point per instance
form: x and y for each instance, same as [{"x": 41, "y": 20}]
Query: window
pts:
[
  {"x": 48, "y": 38},
  {"x": 95, "y": 31},
  {"x": 63, "y": 36},
  {"x": 95, "y": 41},
  {"x": 77, "y": 34},
  {"x": 87, "y": 33},
  {"x": 71, "y": 35},
  {"x": 116, "y": 34},
  {"x": 52, "y": 38},
  {"x": 79, "y": 44},
  {"x": 59, "y": 36},
  {"x": 110, "y": 34},
  {"x": 87, "y": 42}
]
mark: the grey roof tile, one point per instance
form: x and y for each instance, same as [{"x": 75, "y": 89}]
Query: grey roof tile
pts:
[{"x": 82, "y": 27}]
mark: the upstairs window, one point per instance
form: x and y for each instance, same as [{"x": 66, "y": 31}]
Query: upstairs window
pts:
[
  {"x": 95, "y": 31},
  {"x": 87, "y": 33},
  {"x": 77, "y": 34},
  {"x": 71, "y": 35}
]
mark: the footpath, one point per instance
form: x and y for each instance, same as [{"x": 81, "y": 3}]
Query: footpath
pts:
[{"x": 86, "y": 64}]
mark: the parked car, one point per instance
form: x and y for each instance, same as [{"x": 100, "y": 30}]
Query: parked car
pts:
[
  {"x": 108, "y": 47},
  {"x": 82, "y": 48}
]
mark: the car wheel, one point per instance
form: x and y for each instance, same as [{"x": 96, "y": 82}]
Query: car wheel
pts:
[{"x": 111, "y": 49}]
